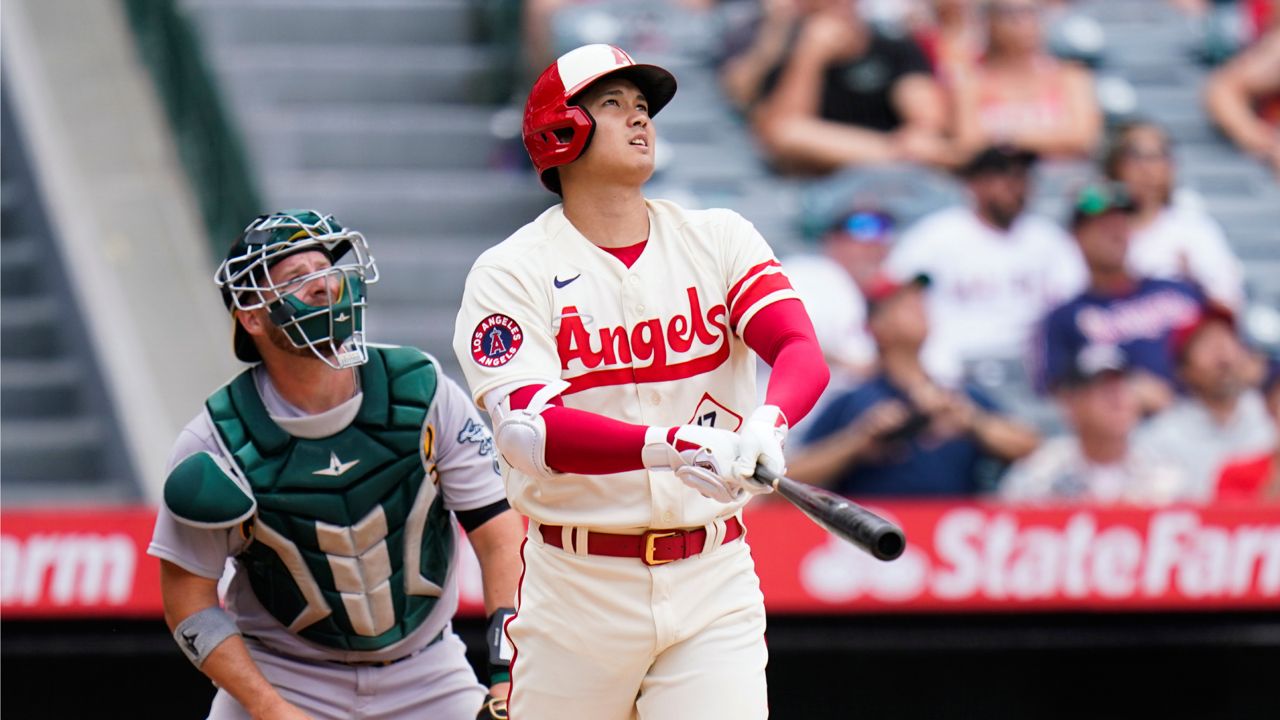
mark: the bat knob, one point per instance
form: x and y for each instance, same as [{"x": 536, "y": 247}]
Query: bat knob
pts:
[{"x": 889, "y": 543}]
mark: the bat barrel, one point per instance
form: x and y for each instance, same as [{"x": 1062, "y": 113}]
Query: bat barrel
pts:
[{"x": 840, "y": 516}]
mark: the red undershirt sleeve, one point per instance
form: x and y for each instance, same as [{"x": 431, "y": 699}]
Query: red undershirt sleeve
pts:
[
  {"x": 782, "y": 334},
  {"x": 584, "y": 442},
  {"x": 588, "y": 443}
]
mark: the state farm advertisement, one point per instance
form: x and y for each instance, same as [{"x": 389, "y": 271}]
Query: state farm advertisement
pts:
[
  {"x": 78, "y": 563},
  {"x": 992, "y": 557},
  {"x": 961, "y": 558}
]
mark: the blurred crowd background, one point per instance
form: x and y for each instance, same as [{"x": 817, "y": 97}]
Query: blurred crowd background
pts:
[
  {"x": 1039, "y": 239},
  {"x": 1068, "y": 193}
]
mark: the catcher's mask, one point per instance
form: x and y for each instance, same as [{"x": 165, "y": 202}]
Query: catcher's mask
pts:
[{"x": 334, "y": 330}]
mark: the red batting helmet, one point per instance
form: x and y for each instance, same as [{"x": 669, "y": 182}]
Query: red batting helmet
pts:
[{"x": 556, "y": 132}]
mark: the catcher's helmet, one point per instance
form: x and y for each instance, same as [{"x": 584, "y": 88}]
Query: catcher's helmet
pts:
[
  {"x": 556, "y": 132},
  {"x": 333, "y": 331}
]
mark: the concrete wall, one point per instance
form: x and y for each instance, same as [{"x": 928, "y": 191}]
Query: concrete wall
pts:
[{"x": 123, "y": 214}]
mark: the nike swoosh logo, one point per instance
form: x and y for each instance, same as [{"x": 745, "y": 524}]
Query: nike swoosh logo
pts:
[{"x": 561, "y": 283}]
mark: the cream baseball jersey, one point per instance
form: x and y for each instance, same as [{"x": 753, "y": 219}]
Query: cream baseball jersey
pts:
[{"x": 658, "y": 343}]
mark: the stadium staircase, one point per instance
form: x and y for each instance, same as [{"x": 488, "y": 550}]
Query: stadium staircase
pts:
[
  {"x": 59, "y": 441},
  {"x": 381, "y": 112}
]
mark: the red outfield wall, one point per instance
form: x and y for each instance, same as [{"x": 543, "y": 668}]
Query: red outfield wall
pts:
[{"x": 960, "y": 557}]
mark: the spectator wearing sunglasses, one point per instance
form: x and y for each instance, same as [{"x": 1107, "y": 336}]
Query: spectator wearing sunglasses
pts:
[
  {"x": 1173, "y": 238},
  {"x": 833, "y": 285}
]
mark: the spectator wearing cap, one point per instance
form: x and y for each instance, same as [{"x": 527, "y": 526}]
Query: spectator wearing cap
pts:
[
  {"x": 847, "y": 95},
  {"x": 1256, "y": 478},
  {"x": 1223, "y": 416},
  {"x": 1096, "y": 462},
  {"x": 1173, "y": 237},
  {"x": 1137, "y": 314},
  {"x": 1020, "y": 94},
  {"x": 832, "y": 286},
  {"x": 996, "y": 269},
  {"x": 901, "y": 433}
]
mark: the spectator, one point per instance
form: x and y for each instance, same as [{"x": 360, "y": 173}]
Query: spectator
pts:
[
  {"x": 1257, "y": 478},
  {"x": 1118, "y": 308},
  {"x": 1021, "y": 95},
  {"x": 954, "y": 41},
  {"x": 1097, "y": 463},
  {"x": 901, "y": 434},
  {"x": 1171, "y": 239},
  {"x": 847, "y": 95},
  {"x": 832, "y": 286},
  {"x": 1243, "y": 97},
  {"x": 1223, "y": 417},
  {"x": 536, "y": 24},
  {"x": 996, "y": 269},
  {"x": 756, "y": 50}
]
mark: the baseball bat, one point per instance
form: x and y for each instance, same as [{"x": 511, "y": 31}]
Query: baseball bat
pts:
[{"x": 841, "y": 517}]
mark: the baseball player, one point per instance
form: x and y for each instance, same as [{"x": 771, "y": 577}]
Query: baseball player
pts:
[
  {"x": 611, "y": 340},
  {"x": 331, "y": 472}
]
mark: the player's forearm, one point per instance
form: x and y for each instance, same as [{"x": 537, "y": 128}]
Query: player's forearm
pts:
[
  {"x": 783, "y": 336},
  {"x": 229, "y": 664},
  {"x": 497, "y": 546},
  {"x": 232, "y": 668},
  {"x": 589, "y": 443}
]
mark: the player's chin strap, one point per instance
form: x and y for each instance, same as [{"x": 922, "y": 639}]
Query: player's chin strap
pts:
[
  {"x": 201, "y": 633},
  {"x": 521, "y": 435}
]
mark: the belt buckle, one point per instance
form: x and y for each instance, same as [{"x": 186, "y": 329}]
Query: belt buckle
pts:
[{"x": 650, "y": 536}]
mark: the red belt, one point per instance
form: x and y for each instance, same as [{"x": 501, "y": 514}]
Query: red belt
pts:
[{"x": 654, "y": 547}]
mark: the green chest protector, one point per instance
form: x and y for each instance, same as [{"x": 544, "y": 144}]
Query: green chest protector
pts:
[{"x": 351, "y": 540}]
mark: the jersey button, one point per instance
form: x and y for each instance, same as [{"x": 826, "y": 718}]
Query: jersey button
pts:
[
  {"x": 655, "y": 399},
  {"x": 668, "y": 517},
  {"x": 639, "y": 308},
  {"x": 635, "y": 279}
]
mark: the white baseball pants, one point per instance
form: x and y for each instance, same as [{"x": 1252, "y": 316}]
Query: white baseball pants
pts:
[{"x": 604, "y": 638}]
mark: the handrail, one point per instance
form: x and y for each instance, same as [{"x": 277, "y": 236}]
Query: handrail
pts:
[{"x": 208, "y": 143}]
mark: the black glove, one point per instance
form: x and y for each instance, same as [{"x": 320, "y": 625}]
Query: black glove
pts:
[{"x": 493, "y": 709}]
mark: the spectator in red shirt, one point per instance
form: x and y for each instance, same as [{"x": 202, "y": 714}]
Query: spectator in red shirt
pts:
[{"x": 1257, "y": 478}]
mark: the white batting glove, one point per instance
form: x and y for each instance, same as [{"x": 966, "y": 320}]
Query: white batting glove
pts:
[
  {"x": 702, "y": 457},
  {"x": 763, "y": 435}
]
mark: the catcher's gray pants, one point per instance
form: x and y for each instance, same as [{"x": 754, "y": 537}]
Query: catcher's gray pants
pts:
[{"x": 435, "y": 683}]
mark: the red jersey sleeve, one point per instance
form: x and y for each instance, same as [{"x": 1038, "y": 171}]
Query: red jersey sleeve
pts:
[{"x": 782, "y": 334}]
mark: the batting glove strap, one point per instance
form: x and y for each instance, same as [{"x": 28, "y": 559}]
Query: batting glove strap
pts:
[
  {"x": 701, "y": 457},
  {"x": 200, "y": 634},
  {"x": 763, "y": 435}
]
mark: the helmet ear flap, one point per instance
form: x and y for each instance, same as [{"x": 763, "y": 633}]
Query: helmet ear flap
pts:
[{"x": 560, "y": 143}]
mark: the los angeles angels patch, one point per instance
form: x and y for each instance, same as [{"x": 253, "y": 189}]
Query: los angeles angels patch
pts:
[{"x": 496, "y": 340}]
